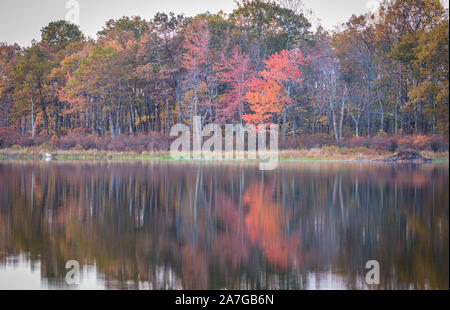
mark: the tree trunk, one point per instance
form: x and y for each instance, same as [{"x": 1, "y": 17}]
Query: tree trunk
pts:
[
  {"x": 168, "y": 114},
  {"x": 284, "y": 126},
  {"x": 44, "y": 112},
  {"x": 111, "y": 124},
  {"x": 285, "y": 117},
  {"x": 118, "y": 131},
  {"x": 33, "y": 133},
  {"x": 341, "y": 122},
  {"x": 294, "y": 125},
  {"x": 334, "y": 125},
  {"x": 178, "y": 98},
  {"x": 196, "y": 100}
]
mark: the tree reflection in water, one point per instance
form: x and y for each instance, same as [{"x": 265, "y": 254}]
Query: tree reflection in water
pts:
[{"x": 160, "y": 225}]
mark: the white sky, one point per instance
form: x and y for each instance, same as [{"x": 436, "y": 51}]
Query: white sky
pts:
[{"x": 21, "y": 20}]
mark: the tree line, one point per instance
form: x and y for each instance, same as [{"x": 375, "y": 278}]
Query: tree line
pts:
[{"x": 384, "y": 72}]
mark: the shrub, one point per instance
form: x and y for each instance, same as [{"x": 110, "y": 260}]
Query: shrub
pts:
[
  {"x": 77, "y": 132},
  {"x": 361, "y": 149},
  {"x": 392, "y": 144},
  {"x": 382, "y": 133},
  {"x": 330, "y": 149},
  {"x": 93, "y": 142},
  {"x": 45, "y": 146},
  {"x": 384, "y": 144},
  {"x": 140, "y": 143},
  {"x": 405, "y": 143},
  {"x": 302, "y": 141},
  {"x": 359, "y": 142},
  {"x": 159, "y": 143},
  {"x": 7, "y": 137},
  {"x": 324, "y": 139},
  {"x": 25, "y": 141},
  {"x": 78, "y": 147},
  {"x": 42, "y": 140},
  {"x": 125, "y": 143},
  {"x": 420, "y": 142},
  {"x": 379, "y": 143},
  {"x": 308, "y": 141},
  {"x": 438, "y": 143},
  {"x": 65, "y": 142},
  {"x": 354, "y": 151}
]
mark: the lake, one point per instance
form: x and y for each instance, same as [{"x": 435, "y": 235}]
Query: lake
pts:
[{"x": 173, "y": 225}]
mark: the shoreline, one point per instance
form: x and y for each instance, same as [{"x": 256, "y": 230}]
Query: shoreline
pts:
[{"x": 311, "y": 155}]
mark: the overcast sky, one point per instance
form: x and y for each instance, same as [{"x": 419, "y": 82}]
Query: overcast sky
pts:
[{"x": 21, "y": 20}]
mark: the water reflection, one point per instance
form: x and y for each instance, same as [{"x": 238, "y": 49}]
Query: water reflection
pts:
[{"x": 172, "y": 226}]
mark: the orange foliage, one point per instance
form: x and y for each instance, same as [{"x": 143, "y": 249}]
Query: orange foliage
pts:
[
  {"x": 265, "y": 226},
  {"x": 235, "y": 70},
  {"x": 269, "y": 94},
  {"x": 420, "y": 142},
  {"x": 266, "y": 99},
  {"x": 196, "y": 45}
]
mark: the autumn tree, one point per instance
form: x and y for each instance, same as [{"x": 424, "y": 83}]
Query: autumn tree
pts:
[
  {"x": 8, "y": 59},
  {"x": 236, "y": 71},
  {"x": 270, "y": 27},
  {"x": 31, "y": 92},
  {"x": 61, "y": 33},
  {"x": 399, "y": 27},
  {"x": 160, "y": 62},
  {"x": 270, "y": 93},
  {"x": 431, "y": 64},
  {"x": 101, "y": 80},
  {"x": 323, "y": 84},
  {"x": 355, "y": 50},
  {"x": 196, "y": 58}
]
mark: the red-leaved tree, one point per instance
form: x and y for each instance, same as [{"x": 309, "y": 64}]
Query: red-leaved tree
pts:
[
  {"x": 195, "y": 57},
  {"x": 237, "y": 72},
  {"x": 270, "y": 93}
]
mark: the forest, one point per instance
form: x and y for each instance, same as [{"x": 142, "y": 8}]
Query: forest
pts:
[{"x": 378, "y": 80}]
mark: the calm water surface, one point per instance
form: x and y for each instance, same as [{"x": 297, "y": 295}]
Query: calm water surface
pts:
[{"x": 159, "y": 225}]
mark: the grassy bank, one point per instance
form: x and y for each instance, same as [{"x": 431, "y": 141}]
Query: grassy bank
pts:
[{"x": 329, "y": 153}]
